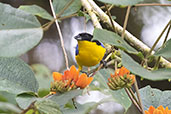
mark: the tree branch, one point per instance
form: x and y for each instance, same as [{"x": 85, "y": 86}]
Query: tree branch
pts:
[{"x": 93, "y": 16}]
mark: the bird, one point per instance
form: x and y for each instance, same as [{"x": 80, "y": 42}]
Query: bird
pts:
[{"x": 88, "y": 52}]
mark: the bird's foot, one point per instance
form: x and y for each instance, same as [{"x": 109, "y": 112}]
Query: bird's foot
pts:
[{"x": 104, "y": 63}]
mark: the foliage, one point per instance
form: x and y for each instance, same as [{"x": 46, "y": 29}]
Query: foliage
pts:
[{"x": 26, "y": 89}]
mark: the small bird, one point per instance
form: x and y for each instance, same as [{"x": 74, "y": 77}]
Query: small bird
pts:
[{"x": 88, "y": 52}]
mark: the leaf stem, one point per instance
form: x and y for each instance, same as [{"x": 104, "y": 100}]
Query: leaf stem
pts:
[
  {"x": 138, "y": 95},
  {"x": 126, "y": 21},
  {"x": 154, "y": 45},
  {"x": 60, "y": 34},
  {"x": 110, "y": 17},
  {"x": 132, "y": 99},
  {"x": 158, "y": 59}
]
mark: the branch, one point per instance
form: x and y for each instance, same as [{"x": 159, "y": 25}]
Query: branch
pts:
[
  {"x": 93, "y": 16},
  {"x": 60, "y": 34},
  {"x": 128, "y": 36}
]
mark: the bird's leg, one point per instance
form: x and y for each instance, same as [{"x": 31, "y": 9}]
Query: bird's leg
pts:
[{"x": 104, "y": 63}]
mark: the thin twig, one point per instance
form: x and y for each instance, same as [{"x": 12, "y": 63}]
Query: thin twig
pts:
[
  {"x": 153, "y": 4},
  {"x": 158, "y": 59},
  {"x": 168, "y": 31},
  {"x": 133, "y": 101},
  {"x": 154, "y": 45},
  {"x": 60, "y": 34},
  {"x": 47, "y": 25},
  {"x": 134, "y": 97},
  {"x": 126, "y": 21},
  {"x": 110, "y": 17},
  {"x": 138, "y": 95}
]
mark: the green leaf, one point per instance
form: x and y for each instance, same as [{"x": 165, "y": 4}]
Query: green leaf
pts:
[
  {"x": 60, "y": 4},
  {"x": 43, "y": 76},
  {"x": 119, "y": 96},
  {"x": 9, "y": 108},
  {"x": 134, "y": 67},
  {"x": 19, "y": 31},
  {"x": 166, "y": 51},
  {"x": 7, "y": 97},
  {"x": 16, "y": 76},
  {"x": 63, "y": 98},
  {"x": 155, "y": 97},
  {"x": 36, "y": 10},
  {"x": 25, "y": 99},
  {"x": 122, "y": 2},
  {"x": 113, "y": 39},
  {"x": 46, "y": 106}
]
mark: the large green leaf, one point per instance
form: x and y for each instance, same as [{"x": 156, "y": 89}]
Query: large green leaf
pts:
[
  {"x": 7, "y": 108},
  {"x": 36, "y": 10},
  {"x": 45, "y": 106},
  {"x": 155, "y": 97},
  {"x": 63, "y": 98},
  {"x": 122, "y": 2},
  {"x": 25, "y": 99},
  {"x": 134, "y": 67},
  {"x": 113, "y": 39},
  {"x": 19, "y": 31},
  {"x": 16, "y": 76},
  {"x": 118, "y": 96},
  {"x": 60, "y": 4},
  {"x": 166, "y": 51}
]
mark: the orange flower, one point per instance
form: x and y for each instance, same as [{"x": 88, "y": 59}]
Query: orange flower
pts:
[
  {"x": 70, "y": 80},
  {"x": 122, "y": 78},
  {"x": 158, "y": 110}
]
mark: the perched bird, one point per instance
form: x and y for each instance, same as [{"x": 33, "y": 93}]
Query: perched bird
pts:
[{"x": 88, "y": 52}]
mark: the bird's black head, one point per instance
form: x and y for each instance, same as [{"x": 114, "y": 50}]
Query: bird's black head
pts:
[{"x": 83, "y": 36}]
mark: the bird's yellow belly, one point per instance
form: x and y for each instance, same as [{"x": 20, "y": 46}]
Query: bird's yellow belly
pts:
[{"x": 89, "y": 54}]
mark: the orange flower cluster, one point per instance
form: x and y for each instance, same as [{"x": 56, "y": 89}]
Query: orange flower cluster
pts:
[
  {"x": 122, "y": 78},
  {"x": 70, "y": 80},
  {"x": 158, "y": 110}
]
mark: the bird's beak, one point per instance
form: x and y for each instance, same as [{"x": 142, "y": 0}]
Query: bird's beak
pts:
[{"x": 78, "y": 37}]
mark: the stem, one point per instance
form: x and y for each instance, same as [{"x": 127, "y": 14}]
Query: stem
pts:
[
  {"x": 110, "y": 17},
  {"x": 153, "y": 4},
  {"x": 168, "y": 31},
  {"x": 138, "y": 95},
  {"x": 133, "y": 101},
  {"x": 60, "y": 34},
  {"x": 126, "y": 21},
  {"x": 132, "y": 93},
  {"x": 158, "y": 59},
  {"x": 154, "y": 45}
]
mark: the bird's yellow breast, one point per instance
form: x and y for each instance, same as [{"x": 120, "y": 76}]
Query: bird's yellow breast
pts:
[{"x": 89, "y": 54}]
